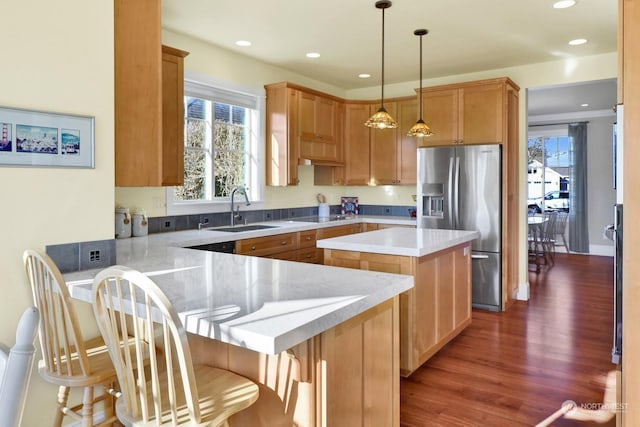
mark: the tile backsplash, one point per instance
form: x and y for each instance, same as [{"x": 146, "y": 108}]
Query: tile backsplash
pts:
[{"x": 190, "y": 222}]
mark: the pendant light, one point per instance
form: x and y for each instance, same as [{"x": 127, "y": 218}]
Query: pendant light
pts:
[
  {"x": 382, "y": 119},
  {"x": 420, "y": 129}
]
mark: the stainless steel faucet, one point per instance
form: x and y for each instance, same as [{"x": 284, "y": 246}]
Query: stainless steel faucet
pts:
[{"x": 236, "y": 214}]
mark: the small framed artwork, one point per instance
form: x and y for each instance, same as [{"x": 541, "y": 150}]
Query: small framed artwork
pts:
[
  {"x": 350, "y": 206},
  {"x": 40, "y": 138}
]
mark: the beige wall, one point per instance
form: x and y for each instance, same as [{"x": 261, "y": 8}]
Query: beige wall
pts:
[{"x": 56, "y": 56}]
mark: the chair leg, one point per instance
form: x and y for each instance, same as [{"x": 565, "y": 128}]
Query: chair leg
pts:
[
  {"x": 63, "y": 396},
  {"x": 87, "y": 407}
]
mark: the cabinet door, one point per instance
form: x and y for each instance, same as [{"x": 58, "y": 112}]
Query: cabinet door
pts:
[
  {"x": 383, "y": 151},
  {"x": 317, "y": 127},
  {"x": 356, "y": 144},
  {"x": 406, "y": 147},
  {"x": 440, "y": 113},
  {"x": 461, "y": 280},
  {"x": 172, "y": 116},
  {"x": 282, "y": 143},
  {"x": 138, "y": 94},
  {"x": 482, "y": 114}
]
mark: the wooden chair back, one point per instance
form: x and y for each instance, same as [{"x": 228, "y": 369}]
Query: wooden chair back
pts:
[
  {"x": 120, "y": 291},
  {"x": 61, "y": 342}
]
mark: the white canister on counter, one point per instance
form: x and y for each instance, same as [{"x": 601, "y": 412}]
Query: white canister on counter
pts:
[
  {"x": 140, "y": 225},
  {"x": 123, "y": 223},
  {"x": 323, "y": 210}
]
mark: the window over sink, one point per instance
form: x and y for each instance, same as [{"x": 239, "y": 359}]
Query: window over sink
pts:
[{"x": 223, "y": 130}]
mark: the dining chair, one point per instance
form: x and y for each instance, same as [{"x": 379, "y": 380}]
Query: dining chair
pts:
[
  {"x": 561, "y": 230},
  {"x": 15, "y": 369},
  {"x": 68, "y": 361},
  {"x": 172, "y": 391}
]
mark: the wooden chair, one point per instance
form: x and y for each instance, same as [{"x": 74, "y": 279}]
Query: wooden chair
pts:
[
  {"x": 67, "y": 359},
  {"x": 15, "y": 369},
  {"x": 172, "y": 391},
  {"x": 561, "y": 230}
]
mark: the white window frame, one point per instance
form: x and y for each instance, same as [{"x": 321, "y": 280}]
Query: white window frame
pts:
[{"x": 199, "y": 85}]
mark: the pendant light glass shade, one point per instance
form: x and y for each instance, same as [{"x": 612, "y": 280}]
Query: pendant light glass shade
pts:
[
  {"x": 382, "y": 119},
  {"x": 420, "y": 129}
]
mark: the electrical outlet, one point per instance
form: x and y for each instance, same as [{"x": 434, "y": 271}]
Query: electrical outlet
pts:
[
  {"x": 97, "y": 254},
  {"x": 267, "y": 215},
  {"x": 387, "y": 210}
]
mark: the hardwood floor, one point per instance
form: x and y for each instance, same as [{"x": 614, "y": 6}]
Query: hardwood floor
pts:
[{"x": 516, "y": 368}]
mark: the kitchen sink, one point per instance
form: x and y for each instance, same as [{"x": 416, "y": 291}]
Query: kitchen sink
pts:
[{"x": 240, "y": 228}]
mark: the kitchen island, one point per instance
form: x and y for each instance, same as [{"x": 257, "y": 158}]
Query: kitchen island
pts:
[
  {"x": 438, "y": 307},
  {"x": 296, "y": 329}
]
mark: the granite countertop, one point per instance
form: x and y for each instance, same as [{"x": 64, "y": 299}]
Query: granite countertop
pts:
[
  {"x": 262, "y": 304},
  {"x": 400, "y": 241},
  {"x": 213, "y": 235}
]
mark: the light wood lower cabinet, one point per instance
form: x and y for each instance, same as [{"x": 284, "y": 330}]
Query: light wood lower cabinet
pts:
[
  {"x": 346, "y": 376},
  {"x": 435, "y": 310}
]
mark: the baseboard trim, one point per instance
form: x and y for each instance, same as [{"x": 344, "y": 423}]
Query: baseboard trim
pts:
[
  {"x": 523, "y": 292},
  {"x": 602, "y": 250}
]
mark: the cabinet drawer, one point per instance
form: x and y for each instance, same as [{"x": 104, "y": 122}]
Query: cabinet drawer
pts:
[
  {"x": 310, "y": 255},
  {"x": 307, "y": 239},
  {"x": 342, "y": 230},
  {"x": 263, "y": 246},
  {"x": 287, "y": 256}
]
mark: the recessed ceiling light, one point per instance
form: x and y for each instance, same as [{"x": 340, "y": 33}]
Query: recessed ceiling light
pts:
[
  {"x": 577, "y": 42},
  {"x": 584, "y": 105},
  {"x": 364, "y": 75},
  {"x": 313, "y": 55},
  {"x": 243, "y": 43},
  {"x": 563, "y": 4}
]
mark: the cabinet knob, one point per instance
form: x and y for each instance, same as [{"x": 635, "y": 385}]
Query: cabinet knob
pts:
[
  {"x": 253, "y": 248},
  {"x": 308, "y": 238},
  {"x": 284, "y": 242}
]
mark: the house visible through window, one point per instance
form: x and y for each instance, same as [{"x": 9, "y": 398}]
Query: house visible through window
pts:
[
  {"x": 221, "y": 148},
  {"x": 548, "y": 159}
]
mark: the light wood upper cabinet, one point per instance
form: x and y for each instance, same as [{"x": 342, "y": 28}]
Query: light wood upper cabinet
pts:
[
  {"x": 383, "y": 151},
  {"x": 467, "y": 113},
  {"x": 172, "y": 116},
  {"x": 393, "y": 154},
  {"x": 356, "y": 144},
  {"x": 318, "y": 130},
  {"x": 407, "y": 145},
  {"x": 302, "y": 125},
  {"x": 148, "y": 99},
  {"x": 282, "y": 150},
  {"x": 440, "y": 113}
]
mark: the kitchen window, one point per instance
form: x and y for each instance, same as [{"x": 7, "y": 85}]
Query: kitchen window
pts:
[
  {"x": 548, "y": 157},
  {"x": 223, "y": 125}
]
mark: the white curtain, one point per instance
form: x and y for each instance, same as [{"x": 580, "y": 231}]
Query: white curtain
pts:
[{"x": 578, "y": 202}]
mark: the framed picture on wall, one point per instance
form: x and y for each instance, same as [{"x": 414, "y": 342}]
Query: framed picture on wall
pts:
[{"x": 45, "y": 139}]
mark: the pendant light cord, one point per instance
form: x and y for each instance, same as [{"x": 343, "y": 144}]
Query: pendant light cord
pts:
[
  {"x": 421, "y": 77},
  {"x": 382, "y": 89}
]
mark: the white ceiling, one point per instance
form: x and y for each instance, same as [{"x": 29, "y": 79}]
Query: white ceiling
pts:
[{"x": 464, "y": 35}]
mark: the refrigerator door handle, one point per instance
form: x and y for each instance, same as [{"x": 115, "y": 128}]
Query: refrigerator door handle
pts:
[
  {"x": 479, "y": 256},
  {"x": 456, "y": 189},
  {"x": 450, "y": 183}
]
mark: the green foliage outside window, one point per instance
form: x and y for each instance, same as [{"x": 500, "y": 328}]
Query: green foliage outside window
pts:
[{"x": 219, "y": 163}]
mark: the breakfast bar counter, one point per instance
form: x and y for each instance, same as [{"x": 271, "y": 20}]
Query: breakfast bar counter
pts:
[{"x": 313, "y": 337}]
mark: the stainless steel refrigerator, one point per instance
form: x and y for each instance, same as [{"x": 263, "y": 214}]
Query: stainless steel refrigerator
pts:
[{"x": 459, "y": 188}]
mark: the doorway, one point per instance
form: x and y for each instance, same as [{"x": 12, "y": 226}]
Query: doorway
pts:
[{"x": 550, "y": 111}]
